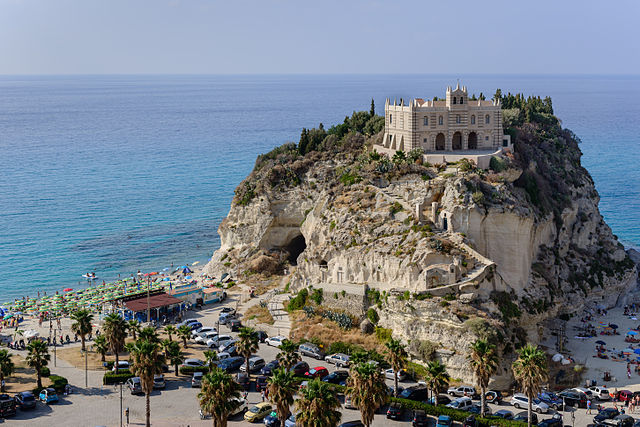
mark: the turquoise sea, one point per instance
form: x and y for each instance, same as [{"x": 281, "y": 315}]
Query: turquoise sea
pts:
[{"x": 118, "y": 173}]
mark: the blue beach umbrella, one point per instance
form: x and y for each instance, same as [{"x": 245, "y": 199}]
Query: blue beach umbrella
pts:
[
  {"x": 632, "y": 333},
  {"x": 637, "y": 351}
]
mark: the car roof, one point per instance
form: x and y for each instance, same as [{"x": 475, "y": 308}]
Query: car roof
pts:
[{"x": 262, "y": 404}]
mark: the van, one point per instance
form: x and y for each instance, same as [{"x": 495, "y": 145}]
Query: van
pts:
[
  {"x": 311, "y": 350},
  {"x": 461, "y": 403}
]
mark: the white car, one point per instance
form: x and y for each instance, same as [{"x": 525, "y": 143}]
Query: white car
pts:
[
  {"x": 389, "y": 374},
  {"x": 583, "y": 391},
  {"x": 275, "y": 341},
  {"x": 205, "y": 336},
  {"x": 193, "y": 362},
  {"x": 602, "y": 393},
  {"x": 462, "y": 390},
  {"x": 521, "y": 401},
  {"x": 240, "y": 409},
  {"x": 214, "y": 342},
  {"x": 224, "y": 343},
  {"x": 339, "y": 359},
  {"x": 202, "y": 330},
  {"x": 461, "y": 403},
  {"x": 123, "y": 365}
]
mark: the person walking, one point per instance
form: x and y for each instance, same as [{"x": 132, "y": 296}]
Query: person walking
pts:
[
  {"x": 262, "y": 394},
  {"x": 126, "y": 414},
  {"x": 589, "y": 406}
]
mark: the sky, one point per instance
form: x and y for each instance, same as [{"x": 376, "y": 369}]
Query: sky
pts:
[{"x": 319, "y": 37}]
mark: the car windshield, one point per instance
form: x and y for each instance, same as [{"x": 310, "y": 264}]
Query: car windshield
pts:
[
  {"x": 312, "y": 371},
  {"x": 255, "y": 409}
]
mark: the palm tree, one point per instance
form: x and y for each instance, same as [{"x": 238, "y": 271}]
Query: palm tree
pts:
[
  {"x": 397, "y": 359},
  {"x": 170, "y": 329},
  {"x": 101, "y": 346},
  {"x": 148, "y": 334},
  {"x": 219, "y": 395},
  {"x": 175, "y": 355},
  {"x": 484, "y": 363},
  {"x": 247, "y": 344},
  {"x": 288, "y": 355},
  {"x": 318, "y": 405},
  {"x": 184, "y": 332},
  {"x": 147, "y": 361},
  {"x": 282, "y": 387},
  {"x": 367, "y": 390},
  {"x": 437, "y": 378},
  {"x": 210, "y": 356},
  {"x": 358, "y": 357},
  {"x": 115, "y": 331},
  {"x": 6, "y": 366},
  {"x": 82, "y": 324},
  {"x": 133, "y": 327},
  {"x": 38, "y": 357},
  {"x": 530, "y": 370}
]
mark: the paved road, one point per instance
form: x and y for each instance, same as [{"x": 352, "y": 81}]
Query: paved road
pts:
[{"x": 99, "y": 405}]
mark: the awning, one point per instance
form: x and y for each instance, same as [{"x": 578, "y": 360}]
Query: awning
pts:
[{"x": 155, "y": 301}]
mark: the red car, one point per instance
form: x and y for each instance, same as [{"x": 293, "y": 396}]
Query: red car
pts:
[
  {"x": 317, "y": 372},
  {"x": 623, "y": 395}
]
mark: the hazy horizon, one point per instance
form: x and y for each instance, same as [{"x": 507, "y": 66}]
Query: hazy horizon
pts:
[{"x": 248, "y": 37}]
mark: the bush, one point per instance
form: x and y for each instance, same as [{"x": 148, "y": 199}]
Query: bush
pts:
[
  {"x": 113, "y": 378},
  {"x": 58, "y": 382},
  {"x": 316, "y": 296},
  {"x": 189, "y": 370},
  {"x": 424, "y": 349},
  {"x": 344, "y": 347},
  {"x": 299, "y": 301},
  {"x": 497, "y": 164},
  {"x": 372, "y": 315},
  {"x": 45, "y": 371},
  {"x": 383, "y": 334}
]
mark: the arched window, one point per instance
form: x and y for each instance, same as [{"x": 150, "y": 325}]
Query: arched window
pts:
[
  {"x": 426, "y": 121},
  {"x": 487, "y": 119},
  {"x": 440, "y": 120},
  {"x": 458, "y": 118},
  {"x": 473, "y": 120},
  {"x": 454, "y": 99},
  {"x": 462, "y": 100}
]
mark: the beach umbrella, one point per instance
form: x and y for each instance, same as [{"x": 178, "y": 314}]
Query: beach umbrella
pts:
[
  {"x": 628, "y": 350},
  {"x": 8, "y": 316},
  {"x": 195, "y": 263},
  {"x": 67, "y": 289},
  {"x": 611, "y": 325},
  {"x": 632, "y": 333},
  {"x": 637, "y": 351}
]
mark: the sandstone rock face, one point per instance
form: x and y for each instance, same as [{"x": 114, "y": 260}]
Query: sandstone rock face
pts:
[{"x": 422, "y": 242}]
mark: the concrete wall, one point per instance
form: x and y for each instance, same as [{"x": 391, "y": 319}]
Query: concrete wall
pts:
[{"x": 353, "y": 301}]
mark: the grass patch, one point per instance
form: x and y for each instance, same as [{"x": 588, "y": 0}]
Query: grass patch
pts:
[{"x": 261, "y": 314}]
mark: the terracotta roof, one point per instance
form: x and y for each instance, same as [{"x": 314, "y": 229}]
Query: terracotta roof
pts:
[{"x": 155, "y": 301}]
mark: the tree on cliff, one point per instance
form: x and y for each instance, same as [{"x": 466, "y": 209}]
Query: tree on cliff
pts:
[
  {"x": 484, "y": 362},
  {"x": 530, "y": 370}
]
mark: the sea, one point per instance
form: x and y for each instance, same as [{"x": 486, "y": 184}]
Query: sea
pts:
[{"x": 115, "y": 174}]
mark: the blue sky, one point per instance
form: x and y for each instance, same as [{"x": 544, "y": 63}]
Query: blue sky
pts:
[{"x": 327, "y": 36}]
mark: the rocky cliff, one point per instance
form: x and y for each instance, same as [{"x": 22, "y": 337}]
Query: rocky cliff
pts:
[{"x": 446, "y": 253}]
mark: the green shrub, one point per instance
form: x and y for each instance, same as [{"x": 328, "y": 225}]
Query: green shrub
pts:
[
  {"x": 424, "y": 349},
  {"x": 189, "y": 370},
  {"x": 372, "y": 315},
  {"x": 113, "y": 378},
  {"x": 299, "y": 301},
  {"x": 45, "y": 371},
  {"x": 344, "y": 347},
  {"x": 349, "y": 178},
  {"x": 395, "y": 208},
  {"x": 383, "y": 334},
  {"x": 58, "y": 382},
  {"x": 316, "y": 296},
  {"x": 478, "y": 197},
  {"x": 497, "y": 164}
]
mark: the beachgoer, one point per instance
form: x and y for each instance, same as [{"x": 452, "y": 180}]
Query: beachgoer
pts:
[
  {"x": 589, "y": 406},
  {"x": 262, "y": 395},
  {"x": 126, "y": 414}
]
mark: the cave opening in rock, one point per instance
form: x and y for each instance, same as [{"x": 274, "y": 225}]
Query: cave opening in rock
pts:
[{"x": 295, "y": 247}]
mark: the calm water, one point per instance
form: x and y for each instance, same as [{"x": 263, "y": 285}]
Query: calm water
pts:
[{"x": 116, "y": 174}]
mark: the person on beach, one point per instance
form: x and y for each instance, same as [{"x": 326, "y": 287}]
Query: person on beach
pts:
[{"x": 589, "y": 407}]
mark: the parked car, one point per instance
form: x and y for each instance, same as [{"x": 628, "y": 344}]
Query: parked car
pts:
[
  {"x": 25, "y": 400},
  {"x": 585, "y": 391},
  {"x": 521, "y": 401},
  {"x": 621, "y": 420},
  {"x": 600, "y": 392},
  {"x": 417, "y": 393},
  {"x": 123, "y": 365},
  {"x": 228, "y": 310},
  {"x": 317, "y": 372},
  {"x": 262, "y": 336},
  {"x": 348, "y": 404},
  {"x": 555, "y": 421},
  {"x": 470, "y": 421},
  {"x": 224, "y": 343},
  {"x": 261, "y": 383},
  {"x": 135, "y": 386},
  {"x": 573, "y": 398},
  {"x": 493, "y": 396},
  {"x": 272, "y": 420},
  {"x": 462, "y": 390},
  {"x": 194, "y": 363},
  {"x": 158, "y": 382},
  {"x": 225, "y": 317},
  {"x": 551, "y": 399},
  {"x": 48, "y": 395},
  {"x": 255, "y": 364},
  {"x": 291, "y": 421},
  {"x": 389, "y": 373},
  {"x": 443, "y": 399},
  {"x": 475, "y": 409},
  {"x": 623, "y": 395},
  {"x": 300, "y": 368},
  {"x": 444, "y": 421},
  {"x": 196, "y": 380},
  {"x": 205, "y": 336},
  {"x": 203, "y": 330},
  {"x": 7, "y": 406},
  {"x": 311, "y": 350},
  {"x": 606, "y": 414},
  {"x": 341, "y": 360},
  {"x": 275, "y": 341},
  {"x": 257, "y": 412},
  {"x": 213, "y": 342},
  {"x": 395, "y": 411},
  {"x": 461, "y": 403},
  {"x": 503, "y": 413},
  {"x": 230, "y": 363},
  {"x": 234, "y": 325},
  {"x": 352, "y": 424},
  {"x": 194, "y": 326},
  {"x": 269, "y": 367},
  {"x": 242, "y": 378},
  {"x": 419, "y": 418},
  {"x": 524, "y": 417},
  {"x": 241, "y": 407},
  {"x": 336, "y": 377}
]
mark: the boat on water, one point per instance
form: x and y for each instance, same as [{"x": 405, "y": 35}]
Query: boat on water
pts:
[{"x": 90, "y": 276}]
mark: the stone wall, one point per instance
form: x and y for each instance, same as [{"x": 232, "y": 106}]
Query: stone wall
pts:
[{"x": 349, "y": 298}]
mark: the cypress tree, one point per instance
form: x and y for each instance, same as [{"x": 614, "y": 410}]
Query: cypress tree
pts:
[
  {"x": 373, "y": 108},
  {"x": 304, "y": 142}
]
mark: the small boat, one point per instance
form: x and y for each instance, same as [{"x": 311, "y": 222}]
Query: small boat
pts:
[{"x": 89, "y": 277}]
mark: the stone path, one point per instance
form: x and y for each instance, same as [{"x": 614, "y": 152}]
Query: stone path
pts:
[{"x": 282, "y": 325}]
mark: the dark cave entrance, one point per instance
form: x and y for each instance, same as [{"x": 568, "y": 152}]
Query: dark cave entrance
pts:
[{"x": 296, "y": 246}]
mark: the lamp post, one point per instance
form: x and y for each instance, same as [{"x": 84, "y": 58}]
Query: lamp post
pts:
[
  {"x": 86, "y": 369},
  {"x": 148, "y": 301}
]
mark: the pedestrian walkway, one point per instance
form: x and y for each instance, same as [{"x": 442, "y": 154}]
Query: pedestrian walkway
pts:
[{"x": 282, "y": 325}]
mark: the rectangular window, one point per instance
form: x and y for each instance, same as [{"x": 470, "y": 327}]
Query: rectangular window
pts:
[
  {"x": 425, "y": 141},
  {"x": 486, "y": 138},
  {"x": 473, "y": 120},
  {"x": 458, "y": 119},
  {"x": 440, "y": 121},
  {"x": 390, "y": 118},
  {"x": 505, "y": 143},
  {"x": 426, "y": 121}
]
